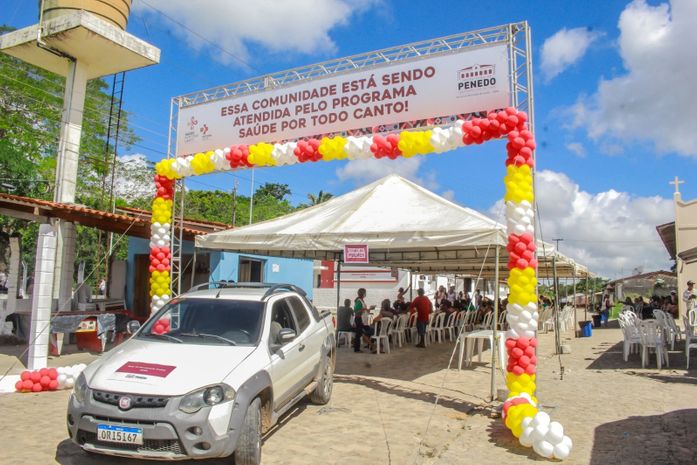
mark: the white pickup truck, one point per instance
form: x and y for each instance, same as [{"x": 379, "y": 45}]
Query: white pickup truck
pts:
[{"x": 206, "y": 375}]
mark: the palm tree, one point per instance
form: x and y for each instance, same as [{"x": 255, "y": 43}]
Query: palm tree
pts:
[{"x": 319, "y": 198}]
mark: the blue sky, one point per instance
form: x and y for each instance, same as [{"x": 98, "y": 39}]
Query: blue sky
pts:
[{"x": 612, "y": 128}]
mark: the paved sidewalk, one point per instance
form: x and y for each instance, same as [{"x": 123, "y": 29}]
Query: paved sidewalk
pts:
[{"x": 616, "y": 413}]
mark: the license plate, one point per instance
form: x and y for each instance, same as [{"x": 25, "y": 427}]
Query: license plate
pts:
[{"x": 119, "y": 434}]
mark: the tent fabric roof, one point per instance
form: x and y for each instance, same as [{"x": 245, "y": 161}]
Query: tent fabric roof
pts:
[{"x": 404, "y": 225}]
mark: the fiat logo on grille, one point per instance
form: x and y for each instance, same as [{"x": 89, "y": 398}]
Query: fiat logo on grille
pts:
[{"x": 125, "y": 402}]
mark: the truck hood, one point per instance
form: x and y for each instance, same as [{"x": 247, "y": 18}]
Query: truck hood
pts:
[{"x": 163, "y": 368}]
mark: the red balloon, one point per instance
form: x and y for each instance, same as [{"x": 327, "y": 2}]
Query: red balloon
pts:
[
  {"x": 510, "y": 343},
  {"x": 524, "y": 361},
  {"x": 531, "y": 369},
  {"x": 516, "y": 352},
  {"x": 53, "y": 385},
  {"x": 511, "y": 111},
  {"x": 19, "y": 385},
  {"x": 53, "y": 373},
  {"x": 532, "y": 263},
  {"x": 43, "y": 371},
  {"x": 35, "y": 376},
  {"x": 36, "y": 387},
  {"x": 521, "y": 247},
  {"x": 522, "y": 263},
  {"x": 522, "y": 342},
  {"x": 45, "y": 380},
  {"x": 517, "y": 370},
  {"x": 26, "y": 374},
  {"x": 530, "y": 351},
  {"x": 27, "y": 384},
  {"x": 512, "y": 120},
  {"x": 502, "y": 116},
  {"x": 533, "y": 342}
]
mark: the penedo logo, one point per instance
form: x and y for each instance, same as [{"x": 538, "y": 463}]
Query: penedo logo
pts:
[
  {"x": 192, "y": 134},
  {"x": 193, "y": 122},
  {"x": 476, "y": 79}
]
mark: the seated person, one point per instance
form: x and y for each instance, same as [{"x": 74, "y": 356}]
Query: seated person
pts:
[
  {"x": 385, "y": 311},
  {"x": 343, "y": 317}
]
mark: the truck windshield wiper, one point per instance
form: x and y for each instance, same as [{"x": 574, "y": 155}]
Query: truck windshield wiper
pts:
[
  {"x": 214, "y": 336},
  {"x": 166, "y": 336}
]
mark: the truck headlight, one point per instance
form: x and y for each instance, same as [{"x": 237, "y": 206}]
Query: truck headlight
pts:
[
  {"x": 80, "y": 388},
  {"x": 208, "y": 396}
]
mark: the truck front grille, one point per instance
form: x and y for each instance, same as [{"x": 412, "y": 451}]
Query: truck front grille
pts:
[
  {"x": 173, "y": 446},
  {"x": 138, "y": 401}
]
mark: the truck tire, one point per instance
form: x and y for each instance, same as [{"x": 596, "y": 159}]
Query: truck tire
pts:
[
  {"x": 248, "y": 450},
  {"x": 323, "y": 392}
]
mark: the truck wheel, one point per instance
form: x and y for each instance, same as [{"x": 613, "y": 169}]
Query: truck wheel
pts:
[
  {"x": 248, "y": 450},
  {"x": 323, "y": 391}
]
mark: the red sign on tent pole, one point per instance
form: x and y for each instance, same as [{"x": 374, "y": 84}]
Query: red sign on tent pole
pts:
[{"x": 356, "y": 253}]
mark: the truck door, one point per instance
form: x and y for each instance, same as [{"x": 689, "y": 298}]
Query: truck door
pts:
[
  {"x": 313, "y": 336},
  {"x": 287, "y": 359}
]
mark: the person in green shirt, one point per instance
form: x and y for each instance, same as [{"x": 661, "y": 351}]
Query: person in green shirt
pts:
[{"x": 363, "y": 331}]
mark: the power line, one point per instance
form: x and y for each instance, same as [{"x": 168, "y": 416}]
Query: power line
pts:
[{"x": 205, "y": 39}]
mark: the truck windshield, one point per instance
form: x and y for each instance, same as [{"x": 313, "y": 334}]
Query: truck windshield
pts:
[{"x": 207, "y": 321}]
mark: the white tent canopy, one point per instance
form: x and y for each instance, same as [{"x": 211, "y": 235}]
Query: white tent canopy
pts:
[{"x": 404, "y": 225}]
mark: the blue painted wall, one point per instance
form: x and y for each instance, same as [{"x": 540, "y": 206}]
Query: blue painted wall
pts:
[{"x": 225, "y": 266}]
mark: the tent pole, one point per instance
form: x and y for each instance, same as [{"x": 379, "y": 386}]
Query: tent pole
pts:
[
  {"x": 555, "y": 308},
  {"x": 338, "y": 283},
  {"x": 585, "y": 307},
  {"x": 411, "y": 288},
  {"x": 574, "y": 297},
  {"x": 494, "y": 343}
]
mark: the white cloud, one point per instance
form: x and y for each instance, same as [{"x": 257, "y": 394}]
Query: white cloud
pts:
[
  {"x": 297, "y": 26},
  {"x": 362, "y": 172},
  {"x": 577, "y": 148},
  {"x": 565, "y": 48},
  {"x": 610, "y": 232},
  {"x": 654, "y": 100}
]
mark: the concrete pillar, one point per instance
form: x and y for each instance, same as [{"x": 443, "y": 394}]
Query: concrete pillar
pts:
[
  {"x": 42, "y": 297},
  {"x": 66, "y": 178}
]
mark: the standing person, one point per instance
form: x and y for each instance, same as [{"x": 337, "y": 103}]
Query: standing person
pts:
[
  {"x": 363, "y": 331},
  {"x": 477, "y": 299},
  {"x": 102, "y": 287},
  {"x": 423, "y": 307},
  {"x": 605, "y": 312},
  {"x": 689, "y": 296}
]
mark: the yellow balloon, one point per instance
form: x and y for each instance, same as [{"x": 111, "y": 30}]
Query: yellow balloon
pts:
[
  {"x": 332, "y": 149},
  {"x": 260, "y": 155}
]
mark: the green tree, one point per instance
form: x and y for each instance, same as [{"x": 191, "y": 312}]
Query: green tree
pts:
[
  {"x": 319, "y": 198},
  {"x": 31, "y": 101},
  {"x": 277, "y": 191}
]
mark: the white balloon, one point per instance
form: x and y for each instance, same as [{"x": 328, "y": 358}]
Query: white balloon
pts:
[
  {"x": 555, "y": 433},
  {"x": 561, "y": 451},
  {"x": 526, "y": 436},
  {"x": 70, "y": 382},
  {"x": 543, "y": 448},
  {"x": 539, "y": 433},
  {"x": 541, "y": 418},
  {"x": 527, "y": 420},
  {"x": 567, "y": 442}
]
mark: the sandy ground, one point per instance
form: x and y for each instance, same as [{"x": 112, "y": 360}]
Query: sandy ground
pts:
[{"x": 382, "y": 411}]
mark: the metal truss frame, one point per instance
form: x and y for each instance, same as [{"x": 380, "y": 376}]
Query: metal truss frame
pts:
[{"x": 515, "y": 35}]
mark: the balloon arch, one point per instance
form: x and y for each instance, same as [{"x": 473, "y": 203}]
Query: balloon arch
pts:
[{"x": 520, "y": 411}]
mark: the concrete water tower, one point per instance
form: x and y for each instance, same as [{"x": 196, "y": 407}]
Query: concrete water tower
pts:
[{"x": 80, "y": 40}]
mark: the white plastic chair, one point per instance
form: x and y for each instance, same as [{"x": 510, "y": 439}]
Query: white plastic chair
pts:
[
  {"x": 398, "y": 328},
  {"x": 410, "y": 329},
  {"x": 652, "y": 338},
  {"x": 486, "y": 322},
  {"x": 347, "y": 338},
  {"x": 502, "y": 320},
  {"x": 382, "y": 332},
  {"x": 451, "y": 326},
  {"x": 631, "y": 335},
  {"x": 668, "y": 333},
  {"x": 436, "y": 329}
]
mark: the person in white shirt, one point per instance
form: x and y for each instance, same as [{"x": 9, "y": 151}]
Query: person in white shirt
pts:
[{"x": 689, "y": 295}]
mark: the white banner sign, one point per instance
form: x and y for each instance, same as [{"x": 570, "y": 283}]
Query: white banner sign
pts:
[{"x": 455, "y": 83}]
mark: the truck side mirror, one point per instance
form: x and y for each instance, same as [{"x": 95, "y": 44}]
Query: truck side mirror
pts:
[
  {"x": 132, "y": 326},
  {"x": 286, "y": 335}
]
